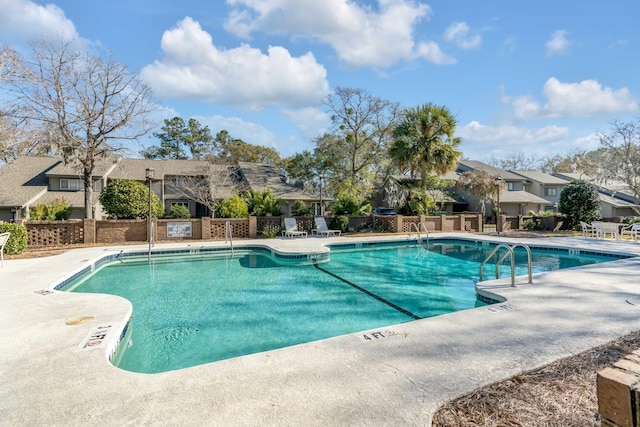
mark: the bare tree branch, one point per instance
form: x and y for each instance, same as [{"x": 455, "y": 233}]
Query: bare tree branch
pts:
[{"x": 92, "y": 104}]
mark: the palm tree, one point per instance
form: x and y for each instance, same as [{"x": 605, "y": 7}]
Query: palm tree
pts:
[{"x": 424, "y": 142}]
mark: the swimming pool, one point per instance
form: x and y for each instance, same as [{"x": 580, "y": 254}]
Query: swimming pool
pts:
[{"x": 199, "y": 309}]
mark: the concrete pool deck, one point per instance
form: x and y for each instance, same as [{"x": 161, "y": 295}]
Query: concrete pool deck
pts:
[{"x": 51, "y": 375}]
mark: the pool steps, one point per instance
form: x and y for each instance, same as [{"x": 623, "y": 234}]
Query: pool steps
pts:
[{"x": 510, "y": 253}]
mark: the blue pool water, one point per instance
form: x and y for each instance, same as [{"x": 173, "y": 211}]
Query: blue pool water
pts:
[{"x": 194, "y": 310}]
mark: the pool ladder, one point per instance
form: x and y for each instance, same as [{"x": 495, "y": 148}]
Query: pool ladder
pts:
[
  {"x": 228, "y": 235},
  {"x": 418, "y": 226},
  {"x": 513, "y": 260}
]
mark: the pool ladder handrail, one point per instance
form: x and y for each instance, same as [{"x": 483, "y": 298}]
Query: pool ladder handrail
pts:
[
  {"x": 228, "y": 235},
  {"x": 417, "y": 227},
  {"x": 513, "y": 261}
]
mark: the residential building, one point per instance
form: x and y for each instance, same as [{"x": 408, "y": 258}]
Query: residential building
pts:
[
  {"x": 543, "y": 185},
  {"x": 616, "y": 198},
  {"x": 514, "y": 199},
  {"x": 31, "y": 181}
]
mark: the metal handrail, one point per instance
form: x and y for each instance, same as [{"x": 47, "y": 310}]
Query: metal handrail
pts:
[
  {"x": 417, "y": 227},
  {"x": 513, "y": 262},
  {"x": 513, "y": 247},
  {"x": 228, "y": 234}
]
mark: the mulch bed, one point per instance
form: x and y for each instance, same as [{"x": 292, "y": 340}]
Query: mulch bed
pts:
[{"x": 561, "y": 394}]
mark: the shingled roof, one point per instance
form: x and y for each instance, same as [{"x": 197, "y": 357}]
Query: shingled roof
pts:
[
  {"x": 135, "y": 168},
  {"x": 103, "y": 166},
  {"x": 25, "y": 180},
  {"x": 260, "y": 176}
]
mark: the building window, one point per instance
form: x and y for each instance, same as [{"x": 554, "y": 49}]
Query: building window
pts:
[
  {"x": 185, "y": 204},
  {"x": 71, "y": 184},
  {"x": 550, "y": 191},
  {"x": 176, "y": 181},
  {"x": 510, "y": 186}
]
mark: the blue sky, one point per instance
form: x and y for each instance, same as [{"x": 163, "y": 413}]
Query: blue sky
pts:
[{"x": 534, "y": 78}]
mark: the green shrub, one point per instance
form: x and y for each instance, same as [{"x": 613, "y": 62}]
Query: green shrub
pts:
[
  {"x": 417, "y": 205},
  {"x": 58, "y": 209},
  {"x": 233, "y": 207},
  {"x": 18, "y": 239},
  {"x": 180, "y": 212},
  {"x": 300, "y": 208},
  {"x": 350, "y": 204},
  {"x": 270, "y": 231},
  {"x": 632, "y": 219},
  {"x": 579, "y": 201},
  {"x": 532, "y": 224},
  {"x": 262, "y": 203},
  {"x": 129, "y": 199},
  {"x": 340, "y": 222}
]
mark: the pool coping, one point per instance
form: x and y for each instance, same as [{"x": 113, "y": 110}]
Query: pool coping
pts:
[{"x": 395, "y": 375}]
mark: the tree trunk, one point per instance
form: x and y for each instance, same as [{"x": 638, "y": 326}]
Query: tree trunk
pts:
[{"x": 88, "y": 196}]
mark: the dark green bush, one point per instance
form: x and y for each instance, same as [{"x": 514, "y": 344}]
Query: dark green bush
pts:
[
  {"x": 579, "y": 201},
  {"x": 300, "y": 208},
  {"x": 347, "y": 203},
  {"x": 262, "y": 203},
  {"x": 340, "y": 222},
  {"x": 532, "y": 224},
  {"x": 18, "y": 239},
  {"x": 129, "y": 199},
  {"x": 59, "y": 209},
  {"x": 181, "y": 212}
]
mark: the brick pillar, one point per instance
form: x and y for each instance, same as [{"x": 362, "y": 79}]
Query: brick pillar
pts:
[
  {"x": 443, "y": 223},
  {"x": 89, "y": 232},
  {"x": 462, "y": 222},
  {"x": 253, "y": 227},
  {"x": 618, "y": 390},
  {"x": 206, "y": 228},
  {"x": 397, "y": 224}
]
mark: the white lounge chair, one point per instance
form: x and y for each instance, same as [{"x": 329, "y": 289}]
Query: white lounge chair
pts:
[
  {"x": 4, "y": 238},
  {"x": 632, "y": 230},
  {"x": 322, "y": 229},
  {"x": 291, "y": 229}
]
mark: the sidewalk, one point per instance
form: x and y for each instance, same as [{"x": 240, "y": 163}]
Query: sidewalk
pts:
[{"x": 49, "y": 376}]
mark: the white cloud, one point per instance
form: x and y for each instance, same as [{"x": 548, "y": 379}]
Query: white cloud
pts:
[
  {"x": 247, "y": 131},
  {"x": 194, "y": 68},
  {"x": 458, "y": 33},
  {"x": 510, "y": 134},
  {"x": 618, "y": 43},
  {"x": 569, "y": 100},
  {"x": 482, "y": 141},
  {"x": 311, "y": 122},
  {"x": 509, "y": 45},
  {"x": 23, "y": 21},
  {"x": 558, "y": 43},
  {"x": 360, "y": 35},
  {"x": 584, "y": 99}
]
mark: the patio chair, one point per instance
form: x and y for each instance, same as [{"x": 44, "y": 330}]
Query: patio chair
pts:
[
  {"x": 610, "y": 228},
  {"x": 597, "y": 229},
  {"x": 632, "y": 230},
  {"x": 588, "y": 230},
  {"x": 4, "y": 238},
  {"x": 291, "y": 229},
  {"x": 322, "y": 229}
]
